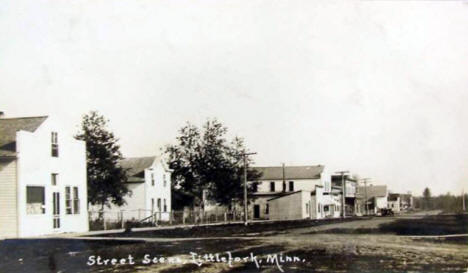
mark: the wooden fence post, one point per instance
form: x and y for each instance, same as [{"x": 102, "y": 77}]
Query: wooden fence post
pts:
[
  {"x": 122, "y": 219},
  {"x": 225, "y": 217}
]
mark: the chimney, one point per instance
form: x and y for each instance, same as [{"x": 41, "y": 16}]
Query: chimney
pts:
[{"x": 2, "y": 114}]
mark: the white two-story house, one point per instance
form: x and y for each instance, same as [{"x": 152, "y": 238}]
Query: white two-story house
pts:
[
  {"x": 291, "y": 192},
  {"x": 149, "y": 181},
  {"x": 42, "y": 178}
]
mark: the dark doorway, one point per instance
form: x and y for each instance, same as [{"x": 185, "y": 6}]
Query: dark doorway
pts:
[{"x": 256, "y": 211}]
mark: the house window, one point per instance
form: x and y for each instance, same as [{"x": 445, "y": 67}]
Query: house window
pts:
[
  {"x": 76, "y": 201},
  {"x": 267, "y": 209},
  {"x": 152, "y": 205},
  {"x": 35, "y": 200},
  {"x": 272, "y": 186},
  {"x": 291, "y": 185},
  {"x": 164, "y": 180},
  {"x": 152, "y": 179},
  {"x": 165, "y": 205},
  {"x": 53, "y": 179},
  {"x": 72, "y": 202},
  {"x": 68, "y": 201},
  {"x": 159, "y": 204},
  {"x": 54, "y": 141}
]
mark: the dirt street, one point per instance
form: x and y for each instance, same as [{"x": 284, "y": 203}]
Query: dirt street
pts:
[{"x": 371, "y": 245}]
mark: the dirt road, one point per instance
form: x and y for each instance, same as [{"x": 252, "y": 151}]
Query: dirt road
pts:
[{"x": 357, "y": 246}]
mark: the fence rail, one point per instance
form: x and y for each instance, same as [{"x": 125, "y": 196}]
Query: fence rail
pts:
[{"x": 103, "y": 220}]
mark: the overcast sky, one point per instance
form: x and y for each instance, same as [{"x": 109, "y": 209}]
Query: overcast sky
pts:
[{"x": 379, "y": 88}]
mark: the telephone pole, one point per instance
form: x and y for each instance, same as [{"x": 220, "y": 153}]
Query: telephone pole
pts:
[
  {"x": 244, "y": 156},
  {"x": 343, "y": 193},
  {"x": 284, "y": 178},
  {"x": 463, "y": 198},
  {"x": 365, "y": 194}
]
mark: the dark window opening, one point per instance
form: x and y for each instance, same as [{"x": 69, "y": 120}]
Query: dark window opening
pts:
[
  {"x": 35, "y": 200},
  {"x": 53, "y": 179},
  {"x": 54, "y": 141}
]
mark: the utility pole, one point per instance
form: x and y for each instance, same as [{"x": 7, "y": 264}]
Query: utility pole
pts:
[
  {"x": 343, "y": 193},
  {"x": 284, "y": 179},
  {"x": 463, "y": 198},
  {"x": 244, "y": 155},
  {"x": 365, "y": 194}
]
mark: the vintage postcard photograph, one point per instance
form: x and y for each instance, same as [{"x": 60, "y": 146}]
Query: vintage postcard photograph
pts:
[{"x": 226, "y": 136}]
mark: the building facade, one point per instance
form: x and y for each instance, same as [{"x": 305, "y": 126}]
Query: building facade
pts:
[
  {"x": 371, "y": 199},
  {"x": 292, "y": 183},
  {"x": 42, "y": 177},
  {"x": 350, "y": 192},
  {"x": 149, "y": 181}
]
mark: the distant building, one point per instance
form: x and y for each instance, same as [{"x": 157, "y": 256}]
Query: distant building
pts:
[
  {"x": 350, "y": 192},
  {"x": 42, "y": 178},
  {"x": 292, "y": 192},
  {"x": 406, "y": 201},
  {"x": 149, "y": 180},
  {"x": 372, "y": 198},
  {"x": 394, "y": 202},
  {"x": 399, "y": 202}
]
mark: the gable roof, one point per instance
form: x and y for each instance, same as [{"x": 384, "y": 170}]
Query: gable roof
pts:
[
  {"x": 9, "y": 127},
  {"x": 290, "y": 172},
  {"x": 372, "y": 191},
  {"x": 135, "y": 167}
]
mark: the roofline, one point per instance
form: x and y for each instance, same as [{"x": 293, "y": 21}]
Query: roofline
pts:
[
  {"x": 285, "y": 194},
  {"x": 46, "y": 116},
  {"x": 8, "y": 156},
  {"x": 318, "y": 165}
]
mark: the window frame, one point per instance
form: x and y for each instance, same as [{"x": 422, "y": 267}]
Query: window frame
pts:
[
  {"x": 53, "y": 179},
  {"x": 291, "y": 186},
  {"x": 76, "y": 200},
  {"x": 43, "y": 207},
  {"x": 68, "y": 201},
  {"x": 54, "y": 144},
  {"x": 272, "y": 186}
]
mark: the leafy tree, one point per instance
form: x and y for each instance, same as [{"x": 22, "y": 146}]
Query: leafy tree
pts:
[
  {"x": 203, "y": 161},
  {"x": 427, "y": 198},
  {"x": 106, "y": 179}
]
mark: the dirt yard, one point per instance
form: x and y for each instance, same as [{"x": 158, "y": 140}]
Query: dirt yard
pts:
[{"x": 372, "y": 245}]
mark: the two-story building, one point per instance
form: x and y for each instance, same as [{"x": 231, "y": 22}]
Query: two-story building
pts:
[
  {"x": 350, "y": 191},
  {"x": 393, "y": 202},
  {"x": 291, "y": 192},
  {"x": 42, "y": 178},
  {"x": 399, "y": 202},
  {"x": 149, "y": 182}
]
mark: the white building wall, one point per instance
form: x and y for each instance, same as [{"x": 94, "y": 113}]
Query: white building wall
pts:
[
  {"x": 394, "y": 205},
  {"x": 290, "y": 207},
  {"x": 35, "y": 166},
  {"x": 139, "y": 204},
  {"x": 161, "y": 190},
  {"x": 380, "y": 203}
]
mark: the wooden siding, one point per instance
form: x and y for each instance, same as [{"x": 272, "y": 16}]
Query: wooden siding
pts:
[{"x": 8, "y": 196}]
